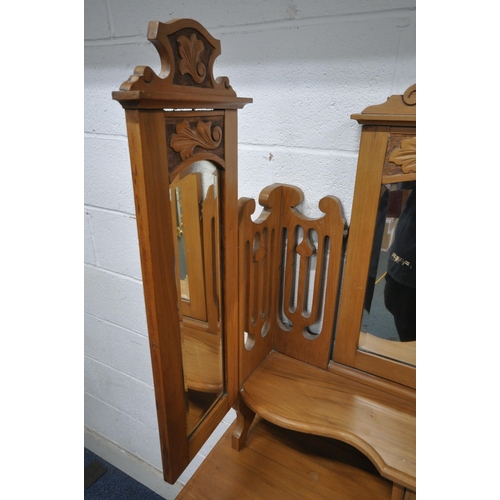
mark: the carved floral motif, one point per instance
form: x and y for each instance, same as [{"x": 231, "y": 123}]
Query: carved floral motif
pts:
[
  {"x": 406, "y": 155},
  {"x": 190, "y": 50},
  {"x": 186, "y": 139}
]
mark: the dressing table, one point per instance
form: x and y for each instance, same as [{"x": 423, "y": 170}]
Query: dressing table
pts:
[{"x": 282, "y": 317}]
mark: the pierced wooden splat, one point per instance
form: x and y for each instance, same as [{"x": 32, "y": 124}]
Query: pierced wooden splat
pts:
[
  {"x": 289, "y": 269},
  {"x": 310, "y": 278}
]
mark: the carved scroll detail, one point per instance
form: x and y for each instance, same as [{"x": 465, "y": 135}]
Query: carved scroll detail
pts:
[
  {"x": 406, "y": 155},
  {"x": 190, "y": 50},
  {"x": 397, "y": 110},
  {"x": 186, "y": 49},
  {"x": 186, "y": 139},
  {"x": 410, "y": 95}
]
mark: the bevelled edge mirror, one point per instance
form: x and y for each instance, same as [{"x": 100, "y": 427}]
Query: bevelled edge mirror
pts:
[
  {"x": 182, "y": 136},
  {"x": 376, "y": 328}
]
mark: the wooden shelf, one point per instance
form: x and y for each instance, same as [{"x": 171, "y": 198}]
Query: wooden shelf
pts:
[
  {"x": 280, "y": 464},
  {"x": 301, "y": 397}
]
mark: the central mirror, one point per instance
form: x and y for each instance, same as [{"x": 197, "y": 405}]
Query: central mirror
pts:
[
  {"x": 376, "y": 328},
  {"x": 194, "y": 195},
  {"x": 389, "y": 315}
]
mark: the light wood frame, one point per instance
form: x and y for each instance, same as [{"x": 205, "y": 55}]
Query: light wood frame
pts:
[
  {"x": 152, "y": 102},
  {"x": 385, "y": 127},
  {"x": 360, "y": 398}
]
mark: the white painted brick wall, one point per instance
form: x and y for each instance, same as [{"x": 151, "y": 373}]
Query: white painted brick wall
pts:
[{"x": 308, "y": 65}]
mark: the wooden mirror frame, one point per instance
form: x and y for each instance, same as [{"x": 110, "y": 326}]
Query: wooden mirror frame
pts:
[
  {"x": 385, "y": 127},
  {"x": 185, "y": 91},
  {"x": 183, "y": 115}
]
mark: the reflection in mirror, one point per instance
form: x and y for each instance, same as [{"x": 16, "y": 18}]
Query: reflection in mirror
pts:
[
  {"x": 389, "y": 317},
  {"x": 196, "y": 222},
  {"x": 181, "y": 247}
]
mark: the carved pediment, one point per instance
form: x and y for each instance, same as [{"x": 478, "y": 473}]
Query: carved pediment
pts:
[
  {"x": 187, "y": 55},
  {"x": 400, "y": 109}
]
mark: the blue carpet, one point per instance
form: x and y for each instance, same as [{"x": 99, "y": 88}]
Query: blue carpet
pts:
[{"x": 114, "y": 484}]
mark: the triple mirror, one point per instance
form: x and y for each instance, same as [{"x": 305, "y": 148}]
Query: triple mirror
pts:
[{"x": 182, "y": 134}]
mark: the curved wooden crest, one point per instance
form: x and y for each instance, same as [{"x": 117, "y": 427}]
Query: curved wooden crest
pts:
[
  {"x": 397, "y": 109},
  {"x": 187, "y": 55}
]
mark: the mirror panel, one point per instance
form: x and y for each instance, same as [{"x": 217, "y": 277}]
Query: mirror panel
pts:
[
  {"x": 174, "y": 118},
  {"x": 367, "y": 337},
  {"x": 388, "y": 325},
  {"x": 194, "y": 195}
]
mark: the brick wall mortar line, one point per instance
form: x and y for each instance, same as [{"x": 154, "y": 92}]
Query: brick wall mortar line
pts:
[
  {"x": 114, "y": 273},
  {"x": 109, "y": 210},
  {"x": 117, "y": 371},
  {"x": 107, "y": 322},
  {"x": 267, "y": 25}
]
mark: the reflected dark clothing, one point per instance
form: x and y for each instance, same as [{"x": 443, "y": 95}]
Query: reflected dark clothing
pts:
[
  {"x": 377, "y": 243},
  {"x": 400, "y": 288},
  {"x": 401, "y": 302},
  {"x": 402, "y": 254}
]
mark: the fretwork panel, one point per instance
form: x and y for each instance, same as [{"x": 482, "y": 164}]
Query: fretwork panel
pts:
[
  {"x": 289, "y": 275},
  {"x": 257, "y": 277},
  {"x": 310, "y": 276}
]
